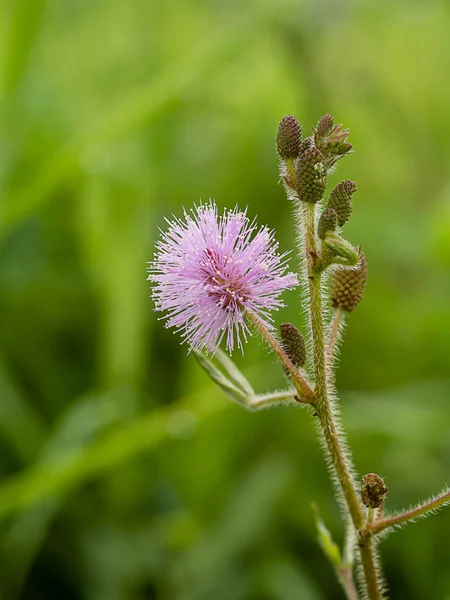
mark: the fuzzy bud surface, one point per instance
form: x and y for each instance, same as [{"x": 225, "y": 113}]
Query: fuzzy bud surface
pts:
[
  {"x": 293, "y": 343},
  {"x": 289, "y": 137},
  {"x": 348, "y": 285}
]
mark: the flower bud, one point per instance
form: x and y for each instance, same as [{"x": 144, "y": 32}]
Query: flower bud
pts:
[
  {"x": 337, "y": 246},
  {"x": 289, "y": 137},
  {"x": 324, "y": 126},
  {"x": 310, "y": 176},
  {"x": 373, "y": 491},
  {"x": 331, "y": 140},
  {"x": 348, "y": 285},
  {"x": 341, "y": 200},
  {"x": 327, "y": 222},
  {"x": 307, "y": 143},
  {"x": 293, "y": 344}
]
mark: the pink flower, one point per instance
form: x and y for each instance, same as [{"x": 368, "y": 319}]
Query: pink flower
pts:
[{"x": 209, "y": 270}]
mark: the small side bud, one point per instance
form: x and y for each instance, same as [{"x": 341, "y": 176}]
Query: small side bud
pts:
[
  {"x": 310, "y": 176},
  {"x": 338, "y": 247},
  {"x": 293, "y": 344},
  {"x": 289, "y": 137},
  {"x": 324, "y": 126},
  {"x": 341, "y": 200},
  {"x": 348, "y": 285},
  {"x": 373, "y": 491},
  {"x": 327, "y": 222}
]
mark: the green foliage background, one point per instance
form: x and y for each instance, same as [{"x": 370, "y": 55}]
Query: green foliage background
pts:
[{"x": 125, "y": 475}]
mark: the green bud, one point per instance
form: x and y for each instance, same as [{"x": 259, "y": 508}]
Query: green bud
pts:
[
  {"x": 293, "y": 344},
  {"x": 289, "y": 137},
  {"x": 344, "y": 148},
  {"x": 348, "y": 285},
  {"x": 373, "y": 491},
  {"x": 327, "y": 222},
  {"x": 311, "y": 176},
  {"x": 341, "y": 200},
  {"x": 338, "y": 246}
]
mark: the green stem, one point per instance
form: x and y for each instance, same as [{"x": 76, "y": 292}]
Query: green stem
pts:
[
  {"x": 290, "y": 168},
  {"x": 263, "y": 400},
  {"x": 334, "y": 438}
]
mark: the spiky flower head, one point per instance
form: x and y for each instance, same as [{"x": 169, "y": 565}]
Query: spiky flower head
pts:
[
  {"x": 373, "y": 490},
  {"x": 293, "y": 344},
  {"x": 341, "y": 200},
  {"x": 348, "y": 285},
  {"x": 209, "y": 270},
  {"x": 289, "y": 137},
  {"x": 310, "y": 175}
]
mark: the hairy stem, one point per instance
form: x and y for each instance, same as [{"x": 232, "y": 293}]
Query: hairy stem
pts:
[
  {"x": 345, "y": 576},
  {"x": 333, "y": 339},
  {"x": 263, "y": 400},
  {"x": 414, "y": 513},
  {"x": 324, "y": 410},
  {"x": 301, "y": 385},
  {"x": 369, "y": 565}
]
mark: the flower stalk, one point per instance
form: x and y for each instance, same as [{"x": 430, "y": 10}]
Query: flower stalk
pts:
[{"x": 303, "y": 388}]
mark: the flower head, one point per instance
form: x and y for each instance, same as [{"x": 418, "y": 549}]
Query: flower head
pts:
[{"x": 209, "y": 270}]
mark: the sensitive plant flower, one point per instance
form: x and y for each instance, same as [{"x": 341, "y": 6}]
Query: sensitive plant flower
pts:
[
  {"x": 212, "y": 274},
  {"x": 209, "y": 270}
]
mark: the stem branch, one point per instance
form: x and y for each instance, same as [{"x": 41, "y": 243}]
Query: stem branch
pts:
[
  {"x": 414, "y": 513},
  {"x": 263, "y": 400}
]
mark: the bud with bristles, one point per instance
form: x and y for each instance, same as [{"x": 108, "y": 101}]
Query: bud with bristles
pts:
[
  {"x": 341, "y": 200},
  {"x": 293, "y": 344},
  {"x": 310, "y": 176},
  {"x": 324, "y": 126},
  {"x": 327, "y": 222},
  {"x": 289, "y": 137},
  {"x": 348, "y": 285},
  {"x": 373, "y": 491}
]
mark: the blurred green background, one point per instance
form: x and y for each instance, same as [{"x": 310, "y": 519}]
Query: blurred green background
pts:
[{"x": 125, "y": 475}]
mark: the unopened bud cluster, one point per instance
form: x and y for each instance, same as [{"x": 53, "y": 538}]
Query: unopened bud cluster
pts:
[
  {"x": 313, "y": 156},
  {"x": 305, "y": 166}
]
